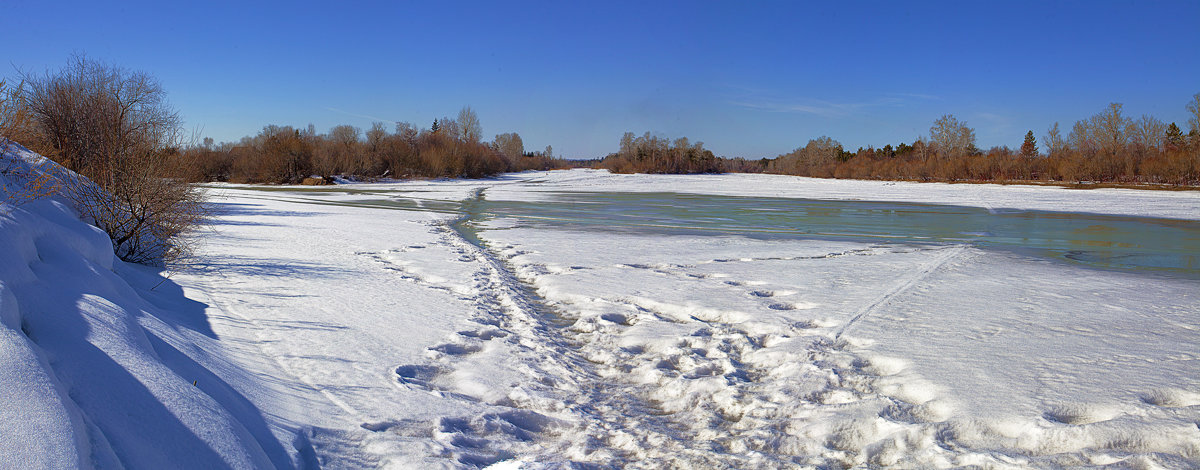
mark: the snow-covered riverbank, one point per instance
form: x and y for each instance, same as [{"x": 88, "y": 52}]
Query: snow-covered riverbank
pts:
[{"x": 366, "y": 326}]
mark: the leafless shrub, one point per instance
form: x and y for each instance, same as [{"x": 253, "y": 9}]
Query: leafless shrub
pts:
[
  {"x": 115, "y": 129},
  {"x": 144, "y": 215},
  {"x": 26, "y": 181}
]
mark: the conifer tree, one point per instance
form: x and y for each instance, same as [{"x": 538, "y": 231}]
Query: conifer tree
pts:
[
  {"x": 1029, "y": 148},
  {"x": 1174, "y": 137}
]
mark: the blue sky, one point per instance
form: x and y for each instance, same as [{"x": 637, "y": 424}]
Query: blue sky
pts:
[{"x": 749, "y": 79}]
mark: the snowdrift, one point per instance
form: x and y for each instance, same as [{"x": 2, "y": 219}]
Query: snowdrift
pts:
[{"x": 102, "y": 363}]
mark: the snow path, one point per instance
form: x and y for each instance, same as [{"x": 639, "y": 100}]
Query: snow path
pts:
[
  {"x": 399, "y": 332},
  {"x": 585, "y": 415}
]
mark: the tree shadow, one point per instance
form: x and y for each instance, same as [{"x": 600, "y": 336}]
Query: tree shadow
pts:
[
  {"x": 116, "y": 350},
  {"x": 260, "y": 267},
  {"x": 219, "y": 213}
]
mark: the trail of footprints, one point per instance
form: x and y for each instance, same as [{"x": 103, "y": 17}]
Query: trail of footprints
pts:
[
  {"x": 717, "y": 396},
  {"x": 722, "y": 395}
]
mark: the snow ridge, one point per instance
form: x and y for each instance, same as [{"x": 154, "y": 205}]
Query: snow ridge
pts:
[{"x": 102, "y": 363}]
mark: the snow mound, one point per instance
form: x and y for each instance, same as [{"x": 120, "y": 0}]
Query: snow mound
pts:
[{"x": 96, "y": 368}]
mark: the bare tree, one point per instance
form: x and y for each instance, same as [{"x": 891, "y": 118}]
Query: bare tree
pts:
[
  {"x": 510, "y": 145},
  {"x": 1194, "y": 108},
  {"x": 951, "y": 137},
  {"x": 921, "y": 147},
  {"x": 1147, "y": 134},
  {"x": 344, "y": 143},
  {"x": 339, "y": 152},
  {"x": 470, "y": 130},
  {"x": 627, "y": 146},
  {"x": 820, "y": 151},
  {"x": 1055, "y": 145},
  {"x": 407, "y": 132},
  {"x": 447, "y": 127},
  {"x": 375, "y": 135},
  {"x": 115, "y": 128},
  {"x": 1110, "y": 129},
  {"x": 1082, "y": 138}
]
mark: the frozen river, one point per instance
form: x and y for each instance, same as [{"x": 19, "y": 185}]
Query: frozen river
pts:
[
  {"x": 1137, "y": 243},
  {"x": 550, "y": 319}
]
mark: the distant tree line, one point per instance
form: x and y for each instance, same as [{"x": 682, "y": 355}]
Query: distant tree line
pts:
[
  {"x": 653, "y": 154},
  {"x": 1108, "y": 147},
  {"x": 286, "y": 155}
]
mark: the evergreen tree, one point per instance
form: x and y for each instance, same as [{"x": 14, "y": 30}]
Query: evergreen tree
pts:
[
  {"x": 435, "y": 126},
  {"x": 1029, "y": 148},
  {"x": 1174, "y": 137}
]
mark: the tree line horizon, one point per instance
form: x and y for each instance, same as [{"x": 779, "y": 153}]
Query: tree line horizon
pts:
[{"x": 1107, "y": 147}]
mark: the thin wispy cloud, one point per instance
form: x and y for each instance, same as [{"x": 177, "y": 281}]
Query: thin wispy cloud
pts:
[
  {"x": 364, "y": 116},
  {"x": 822, "y": 109},
  {"x": 921, "y": 96},
  {"x": 815, "y": 107}
]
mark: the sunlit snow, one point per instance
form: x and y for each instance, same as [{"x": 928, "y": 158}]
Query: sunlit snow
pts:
[{"x": 452, "y": 324}]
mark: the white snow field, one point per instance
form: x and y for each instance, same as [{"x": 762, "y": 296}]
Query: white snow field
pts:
[{"x": 558, "y": 319}]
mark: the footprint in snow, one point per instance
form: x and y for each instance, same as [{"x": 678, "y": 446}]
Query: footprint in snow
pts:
[
  {"x": 620, "y": 319},
  {"x": 484, "y": 334},
  {"x": 417, "y": 374},
  {"x": 1081, "y": 413},
  {"x": 457, "y": 349},
  {"x": 403, "y": 427}
]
